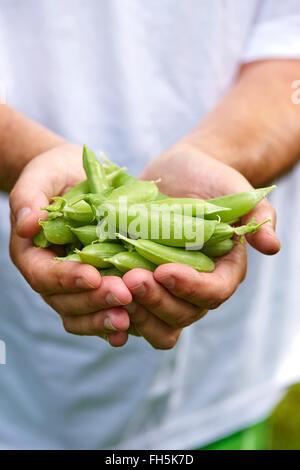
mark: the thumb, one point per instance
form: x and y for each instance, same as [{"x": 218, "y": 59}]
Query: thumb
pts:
[
  {"x": 265, "y": 240},
  {"x": 31, "y": 191}
]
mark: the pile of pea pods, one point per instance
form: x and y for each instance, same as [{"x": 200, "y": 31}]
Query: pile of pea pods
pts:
[{"x": 76, "y": 220}]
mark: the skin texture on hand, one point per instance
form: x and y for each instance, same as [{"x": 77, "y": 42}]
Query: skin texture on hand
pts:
[
  {"x": 175, "y": 296},
  {"x": 153, "y": 305},
  {"x": 253, "y": 129},
  {"x": 87, "y": 303}
]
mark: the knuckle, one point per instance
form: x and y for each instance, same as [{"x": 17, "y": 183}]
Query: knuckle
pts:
[
  {"x": 221, "y": 296},
  {"x": 33, "y": 281},
  {"x": 190, "y": 290},
  {"x": 156, "y": 302},
  {"x": 32, "y": 278},
  {"x": 183, "y": 321},
  {"x": 95, "y": 324},
  {"x": 62, "y": 278},
  {"x": 54, "y": 302}
]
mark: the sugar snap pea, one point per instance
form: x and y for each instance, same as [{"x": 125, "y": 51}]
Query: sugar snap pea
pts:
[
  {"x": 81, "y": 211},
  {"x": 224, "y": 231},
  {"x": 120, "y": 178},
  {"x": 165, "y": 228},
  {"x": 40, "y": 240},
  {"x": 94, "y": 171},
  {"x": 124, "y": 178},
  {"x": 96, "y": 253},
  {"x": 160, "y": 254},
  {"x": 139, "y": 191},
  {"x": 219, "y": 249},
  {"x": 71, "y": 257},
  {"x": 86, "y": 234},
  {"x": 58, "y": 231},
  {"x": 127, "y": 260},
  {"x": 187, "y": 206},
  {"x": 71, "y": 247},
  {"x": 110, "y": 272},
  {"x": 81, "y": 188},
  {"x": 240, "y": 203}
]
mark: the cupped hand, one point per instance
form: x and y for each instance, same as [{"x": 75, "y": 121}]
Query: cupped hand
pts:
[
  {"x": 87, "y": 303},
  {"x": 175, "y": 296}
]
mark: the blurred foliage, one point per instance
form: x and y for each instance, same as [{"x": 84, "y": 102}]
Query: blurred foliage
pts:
[{"x": 285, "y": 421}]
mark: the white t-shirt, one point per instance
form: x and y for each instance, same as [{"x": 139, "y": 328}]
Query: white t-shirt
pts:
[{"x": 131, "y": 77}]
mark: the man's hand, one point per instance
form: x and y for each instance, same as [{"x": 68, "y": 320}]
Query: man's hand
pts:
[
  {"x": 175, "y": 296},
  {"x": 87, "y": 303}
]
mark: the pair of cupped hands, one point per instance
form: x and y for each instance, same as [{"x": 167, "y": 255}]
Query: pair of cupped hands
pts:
[{"x": 155, "y": 305}]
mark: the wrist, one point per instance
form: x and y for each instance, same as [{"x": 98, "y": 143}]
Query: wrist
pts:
[{"x": 21, "y": 139}]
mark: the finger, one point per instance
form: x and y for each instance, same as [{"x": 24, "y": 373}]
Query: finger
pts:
[
  {"x": 117, "y": 339},
  {"x": 207, "y": 290},
  {"x": 97, "y": 323},
  {"x": 265, "y": 240},
  {"x": 111, "y": 293},
  {"x": 156, "y": 299},
  {"x": 40, "y": 180},
  {"x": 47, "y": 275},
  {"x": 155, "y": 331}
]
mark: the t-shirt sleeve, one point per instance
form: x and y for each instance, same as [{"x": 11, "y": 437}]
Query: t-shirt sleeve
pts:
[{"x": 275, "y": 32}]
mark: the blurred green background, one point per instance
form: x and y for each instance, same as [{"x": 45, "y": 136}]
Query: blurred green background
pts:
[{"x": 285, "y": 421}]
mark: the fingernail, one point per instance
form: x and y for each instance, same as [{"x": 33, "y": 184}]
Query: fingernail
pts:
[
  {"x": 139, "y": 289},
  {"x": 108, "y": 325},
  {"x": 22, "y": 214},
  {"x": 168, "y": 282},
  {"x": 131, "y": 308},
  {"x": 82, "y": 283},
  {"x": 111, "y": 299}
]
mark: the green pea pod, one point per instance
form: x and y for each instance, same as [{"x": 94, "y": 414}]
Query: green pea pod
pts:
[
  {"x": 86, "y": 234},
  {"x": 78, "y": 190},
  {"x": 219, "y": 249},
  {"x": 40, "y": 240},
  {"x": 71, "y": 257},
  {"x": 160, "y": 196},
  {"x": 71, "y": 247},
  {"x": 96, "y": 253},
  {"x": 94, "y": 171},
  {"x": 224, "y": 231},
  {"x": 110, "y": 272},
  {"x": 240, "y": 203},
  {"x": 127, "y": 260},
  {"x": 58, "y": 231},
  {"x": 109, "y": 166},
  {"x": 139, "y": 191},
  {"x": 57, "y": 206},
  {"x": 160, "y": 254},
  {"x": 122, "y": 179},
  {"x": 187, "y": 206},
  {"x": 165, "y": 228},
  {"x": 54, "y": 215},
  {"x": 111, "y": 176},
  {"x": 81, "y": 211}
]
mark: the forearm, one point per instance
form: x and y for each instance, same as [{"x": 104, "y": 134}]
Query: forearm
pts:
[
  {"x": 255, "y": 128},
  {"x": 21, "y": 139}
]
